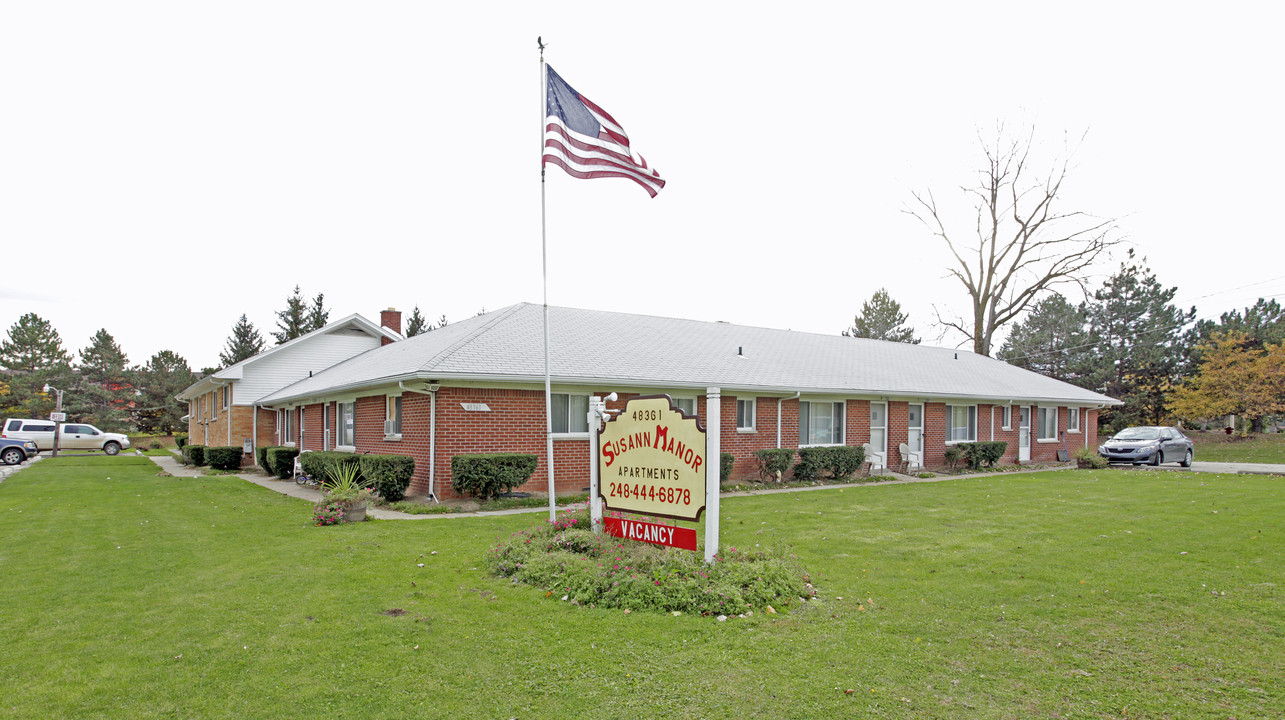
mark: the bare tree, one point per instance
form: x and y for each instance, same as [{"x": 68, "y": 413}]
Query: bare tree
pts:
[{"x": 1024, "y": 245}]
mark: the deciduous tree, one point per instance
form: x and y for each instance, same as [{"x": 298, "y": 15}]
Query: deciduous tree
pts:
[
  {"x": 1023, "y": 243},
  {"x": 1234, "y": 378}
]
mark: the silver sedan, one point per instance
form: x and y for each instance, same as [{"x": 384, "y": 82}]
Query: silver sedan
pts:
[{"x": 1149, "y": 445}]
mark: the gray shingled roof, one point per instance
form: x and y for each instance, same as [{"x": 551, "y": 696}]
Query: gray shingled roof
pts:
[{"x": 617, "y": 350}]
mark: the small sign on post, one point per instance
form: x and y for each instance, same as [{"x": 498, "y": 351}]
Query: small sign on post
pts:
[{"x": 58, "y": 417}]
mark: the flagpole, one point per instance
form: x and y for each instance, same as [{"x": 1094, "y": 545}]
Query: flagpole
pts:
[{"x": 544, "y": 270}]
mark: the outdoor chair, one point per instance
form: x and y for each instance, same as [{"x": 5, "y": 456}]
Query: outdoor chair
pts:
[
  {"x": 910, "y": 459},
  {"x": 873, "y": 463}
]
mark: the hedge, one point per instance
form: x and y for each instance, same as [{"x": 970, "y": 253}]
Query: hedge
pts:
[
  {"x": 977, "y": 453},
  {"x": 281, "y": 461},
  {"x": 487, "y": 475},
  {"x": 726, "y": 461},
  {"x": 774, "y": 463},
  {"x": 836, "y": 462},
  {"x": 261, "y": 457},
  {"x": 223, "y": 457},
  {"x": 194, "y": 455},
  {"x": 389, "y": 475},
  {"x": 319, "y": 464}
]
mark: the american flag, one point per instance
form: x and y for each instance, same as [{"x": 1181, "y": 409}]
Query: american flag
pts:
[{"x": 582, "y": 139}]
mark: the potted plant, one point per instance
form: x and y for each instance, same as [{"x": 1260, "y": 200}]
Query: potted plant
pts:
[
  {"x": 345, "y": 490},
  {"x": 1087, "y": 459}
]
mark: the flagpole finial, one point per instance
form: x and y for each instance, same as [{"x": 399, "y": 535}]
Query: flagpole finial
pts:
[{"x": 539, "y": 40}]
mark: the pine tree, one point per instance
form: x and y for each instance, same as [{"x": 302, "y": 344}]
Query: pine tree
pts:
[
  {"x": 34, "y": 356},
  {"x": 1051, "y": 340},
  {"x": 881, "y": 318},
  {"x": 416, "y": 323},
  {"x": 165, "y": 375},
  {"x": 318, "y": 315},
  {"x": 1136, "y": 355},
  {"x": 33, "y": 345},
  {"x": 441, "y": 323},
  {"x": 104, "y": 393},
  {"x": 245, "y": 342},
  {"x": 293, "y": 321}
]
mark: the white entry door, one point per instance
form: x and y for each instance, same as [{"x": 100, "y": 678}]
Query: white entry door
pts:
[
  {"x": 915, "y": 431},
  {"x": 1024, "y": 435}
]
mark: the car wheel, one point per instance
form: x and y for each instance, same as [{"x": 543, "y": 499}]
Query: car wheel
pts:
[
  {"x": 112, "y": 448},
  {"x": 1186, "y": 461},
  {"x": 1155, "y": 459},
  {"x": 13, "y": 456}
]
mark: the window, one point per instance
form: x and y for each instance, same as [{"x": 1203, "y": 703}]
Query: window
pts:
[
  {"x": 820, "y": 423},
  {"x": 1073, "y": 420},
  {"x": 744, "y": 414},
  {"x": 879, "y": 427},
  {"x": 570, "y": 413},
  {"x": 287, "y": 426},
  {"x": 1007, "y": 417},
  {"x": 345, "y": 419},
  {"x": 686, "y": 404},
  {"x": 961, "y": 423},
  {"x": 393, "y": 417},
  {"x": 214, "y": 406},
  {"x": 1046, "y": 418},
  {"x": 227, "y": 395}
]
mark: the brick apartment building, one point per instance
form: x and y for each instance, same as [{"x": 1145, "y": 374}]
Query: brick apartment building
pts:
[{"x": 478, "y": 386}]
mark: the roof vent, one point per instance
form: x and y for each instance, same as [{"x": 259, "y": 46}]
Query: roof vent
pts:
[{"x": 740, "y": 351}]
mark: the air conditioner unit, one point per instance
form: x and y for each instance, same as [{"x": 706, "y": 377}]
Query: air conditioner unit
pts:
[{"x": 388, "y": 427}]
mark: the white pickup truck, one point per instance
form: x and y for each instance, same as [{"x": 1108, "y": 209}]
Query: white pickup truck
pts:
[{"x": 74, "y": 436}]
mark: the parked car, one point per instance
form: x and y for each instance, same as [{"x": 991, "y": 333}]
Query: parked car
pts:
[
  {"x": 74, "y": 436},
  {"x": 1149, "y": 445},
  {"x": 14, "y": 451}
]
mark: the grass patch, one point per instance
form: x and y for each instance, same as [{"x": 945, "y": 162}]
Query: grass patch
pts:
[
  {"x": 1071, "y": 594},
  {"x": 1258, "y": 448}
]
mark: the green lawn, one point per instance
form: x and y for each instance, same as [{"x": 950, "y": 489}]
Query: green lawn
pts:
[
  {"x": 1259, "y": 448},
  {"x": 1062, "y": 594}
]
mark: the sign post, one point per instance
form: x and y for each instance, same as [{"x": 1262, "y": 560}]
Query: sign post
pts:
[{"x": 713, "y": 483}]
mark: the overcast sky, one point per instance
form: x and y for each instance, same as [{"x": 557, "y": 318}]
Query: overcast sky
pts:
[{"x": 168, "y": 166}]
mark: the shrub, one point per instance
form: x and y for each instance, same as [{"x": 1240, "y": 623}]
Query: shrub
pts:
[
  {"x": 155, "y": 445},
  {"x": 194, "y": 455},
  {"x": 836, "y": 462},
  {"x": 487, "y": 475},
  {"x": 1086, "y": 458},
  {"x": 389, "y": 475},
  {"x": 726, "y": 462},
  {"x": 322, "y": 465},
  {"x": 281, "y": 461},
  {"x": 223, "y": 457},
  {"x": 978, "y": 453},
  {"x": 774, "y": 463},
  {"x": 953, "y": 454},
  {"x": 261, "y": 457}
]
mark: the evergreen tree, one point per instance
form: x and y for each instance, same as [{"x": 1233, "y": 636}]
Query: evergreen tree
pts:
[
  {"x": 293, "y": 321},
  {"x": 318, "y": 315},
  {"x": 441, "y": 323},
  {"x": 104, "y": 393},
  {"x": 1136, "y": 354},
  {"x": 34, "y": 356},
  {"x": 416, "y": 324},
  {"x": 245, "y": 342},
  {"x": 881, "y": 318},
  {"x": 1051, "y": 341},
  {"x": 165, "y": 375}
]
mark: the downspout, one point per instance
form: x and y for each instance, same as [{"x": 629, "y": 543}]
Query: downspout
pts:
[
  {"x": 432, "y": 433},
  {"x": 797, "y": 395}
]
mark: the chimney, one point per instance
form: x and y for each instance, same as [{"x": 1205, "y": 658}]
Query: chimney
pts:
[{"x": 391, "y": 319}]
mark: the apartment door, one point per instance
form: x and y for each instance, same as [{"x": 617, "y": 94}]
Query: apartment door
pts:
[
  {"x": 915, "y": 430},
  {"x": 1024, "y": 435}
]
